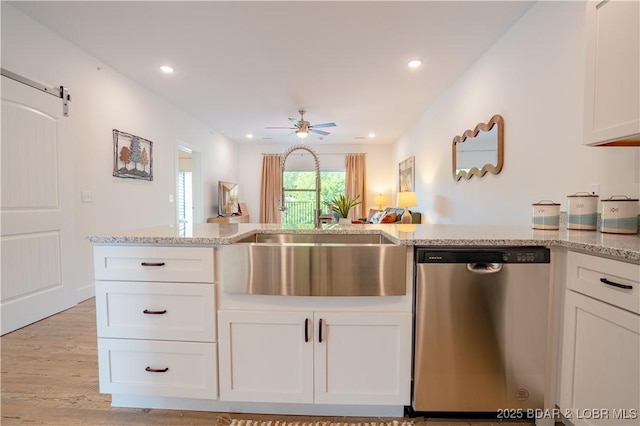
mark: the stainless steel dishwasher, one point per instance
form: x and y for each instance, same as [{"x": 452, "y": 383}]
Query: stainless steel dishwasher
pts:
[{"x": 481, "y": 328}]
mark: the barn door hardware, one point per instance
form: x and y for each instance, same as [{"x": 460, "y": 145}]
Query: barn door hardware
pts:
[{"x": 59, "y": 92}]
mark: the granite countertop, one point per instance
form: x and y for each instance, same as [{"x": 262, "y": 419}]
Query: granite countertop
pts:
[{"x": 622, "y": 247}]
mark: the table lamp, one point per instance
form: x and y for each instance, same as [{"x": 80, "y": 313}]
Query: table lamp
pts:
[
  {"x": 380, "y": 200},
  {"x": 407, "y": 199}
]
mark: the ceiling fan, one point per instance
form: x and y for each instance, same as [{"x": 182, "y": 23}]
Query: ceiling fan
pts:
[{"x": 303, "y": 128}]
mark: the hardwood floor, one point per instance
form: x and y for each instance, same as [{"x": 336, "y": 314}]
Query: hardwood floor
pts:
[{"x": 49, "y": 376}]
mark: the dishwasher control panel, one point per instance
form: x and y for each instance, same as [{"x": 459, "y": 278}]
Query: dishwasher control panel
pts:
[{"x": 483, "y": 254}]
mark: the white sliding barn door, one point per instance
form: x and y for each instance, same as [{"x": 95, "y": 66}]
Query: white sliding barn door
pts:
[{"x": 36, "y": 207}]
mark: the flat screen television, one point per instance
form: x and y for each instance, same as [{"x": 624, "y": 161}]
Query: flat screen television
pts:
[{"x": 227, "y": 198}]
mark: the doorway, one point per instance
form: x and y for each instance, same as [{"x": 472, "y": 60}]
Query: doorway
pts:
[{"x": 188, "y": 185}]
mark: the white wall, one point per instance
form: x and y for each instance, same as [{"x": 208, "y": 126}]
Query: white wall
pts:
[
  {"x": 103, "y": 100},
  {"x": 534, "y": 77},
  {"x": 381, "y": 177}
]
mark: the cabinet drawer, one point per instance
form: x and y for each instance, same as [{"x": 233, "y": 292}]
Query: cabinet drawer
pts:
[
  {"x": 172, "y": 264},
  {"x": 585, "y": 274},
  {"x": 160, "y": 311},
  {"x": 152, "y": 368}
]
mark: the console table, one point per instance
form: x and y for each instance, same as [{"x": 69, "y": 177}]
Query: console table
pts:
[{"x": 229, "y": 219}]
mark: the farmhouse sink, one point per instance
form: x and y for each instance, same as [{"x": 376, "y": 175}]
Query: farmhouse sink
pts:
[{"x": 314, "y": 265}]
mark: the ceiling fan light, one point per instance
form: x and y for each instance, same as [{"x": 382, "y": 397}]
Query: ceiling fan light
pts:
[{"x": 302, "y": 133}]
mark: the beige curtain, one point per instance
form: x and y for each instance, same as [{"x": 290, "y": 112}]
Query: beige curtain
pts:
[
  {"x": 355, "y": 182},
  {"x": 270, "y": 189}
]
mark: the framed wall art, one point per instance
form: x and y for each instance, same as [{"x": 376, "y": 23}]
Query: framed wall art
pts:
[
  {"x": 132, "y": 156},
  {"x": 406, "y": 175}
]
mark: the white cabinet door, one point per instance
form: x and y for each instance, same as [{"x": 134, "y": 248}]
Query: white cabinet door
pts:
[
  {"x": 362, "y": 358},
  {"x": 600, "y": 363},
  {"x": 612, "y": 79},
  {"x": 266, "y": 356}
]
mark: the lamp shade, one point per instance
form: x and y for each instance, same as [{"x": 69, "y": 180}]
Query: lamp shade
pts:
[
  {"x": 407, "y": 199},
  {"x": 380, "y": 200}
]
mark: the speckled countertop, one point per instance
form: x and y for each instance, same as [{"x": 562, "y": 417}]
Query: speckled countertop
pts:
[{"x": 622, "y": 247}]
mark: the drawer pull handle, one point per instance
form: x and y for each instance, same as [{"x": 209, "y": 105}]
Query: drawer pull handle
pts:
[
  {"x": 156, "y": 370},
  {"x": 306, "y": 330},
  {"x": 320, "y": 330},
  {"x": 607, "y": 282},
  {"x": 148, "y": 312},
  {"x": 152, "y": 264}
]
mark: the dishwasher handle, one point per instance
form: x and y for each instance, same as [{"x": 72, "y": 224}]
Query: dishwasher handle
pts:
[{"x": 484, "y": 268}]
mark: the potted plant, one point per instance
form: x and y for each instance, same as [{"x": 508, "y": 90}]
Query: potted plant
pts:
[{"x": 342, "y": 205}]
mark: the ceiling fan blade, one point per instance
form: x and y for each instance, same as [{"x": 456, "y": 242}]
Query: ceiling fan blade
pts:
[
  {"x": 293, "y": 128},
  {"x": 320, "y": 132},
  {"x": 319, "y": 126},
  {"x": 295, "y": 121}
]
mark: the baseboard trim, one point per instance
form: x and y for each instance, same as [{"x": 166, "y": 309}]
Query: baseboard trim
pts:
[
  {"x": 165, "y": 403},
  {"x": 86, "y": 292}
]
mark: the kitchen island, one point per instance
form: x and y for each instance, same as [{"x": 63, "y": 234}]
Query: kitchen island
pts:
[{"x": 171, "y": 336}]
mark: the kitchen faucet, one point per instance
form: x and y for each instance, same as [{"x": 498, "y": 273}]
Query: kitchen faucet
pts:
[{"x": 283, "y": 160}]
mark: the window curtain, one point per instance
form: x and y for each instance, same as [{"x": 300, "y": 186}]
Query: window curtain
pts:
[
  {"x": 270, "y": 189},
  {"x": 355, "y": 182}
]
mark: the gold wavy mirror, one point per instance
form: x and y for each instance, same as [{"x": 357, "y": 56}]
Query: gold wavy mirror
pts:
[{"x": 480, "y": 150}]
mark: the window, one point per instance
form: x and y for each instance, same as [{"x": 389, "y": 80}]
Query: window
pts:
[
  {"x": 185, "y": 202},
  {"x": 300, "y": 194}
]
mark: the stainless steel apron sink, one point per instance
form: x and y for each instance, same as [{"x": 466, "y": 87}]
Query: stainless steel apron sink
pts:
[{"x": 314, "y": 265}]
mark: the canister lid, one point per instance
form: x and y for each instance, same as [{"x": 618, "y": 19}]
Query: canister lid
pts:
[
  {"x": 582, "y": 194},
  {"x": 619, "y": 198},
  {"x": 545, "y": 203}
]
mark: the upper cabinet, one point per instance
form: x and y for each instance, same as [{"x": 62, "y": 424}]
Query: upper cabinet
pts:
[{"x": 612, "y": 80}]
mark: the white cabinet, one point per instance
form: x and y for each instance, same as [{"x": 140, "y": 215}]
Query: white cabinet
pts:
[
  {"x": 315, "y": 357},
  {"x": 157, "y": 368},
  {"x": 612, "y": 79},
  {"x": 156, "y": 311},
  {"x": 600, "y": 378},
  {"x": 156, "y": 321},
  {"x": 265, "y": 356},
  {"x": 151, "y": 263},
  {"x": 362, "y": 358}
]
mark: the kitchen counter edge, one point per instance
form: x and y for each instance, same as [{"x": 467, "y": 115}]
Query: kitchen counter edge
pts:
[{"x": 617, "y": 246}]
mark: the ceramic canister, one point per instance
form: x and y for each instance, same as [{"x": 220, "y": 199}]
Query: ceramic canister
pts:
[
  {"x": 546, "y": 215},
  {"x": 619, "y": 215},
  {"x": 582, "y": 211}
]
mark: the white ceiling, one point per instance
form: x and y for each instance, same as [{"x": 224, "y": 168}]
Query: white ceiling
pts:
[{"x": 241, "y": 66}]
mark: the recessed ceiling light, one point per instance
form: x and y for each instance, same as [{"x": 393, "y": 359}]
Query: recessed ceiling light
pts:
[
  {"x": 372, "y": 135},
  {"x": 249, "y": 136},
  {"x": 166, "y": 69},
  {"x": 414, "y": 63}
]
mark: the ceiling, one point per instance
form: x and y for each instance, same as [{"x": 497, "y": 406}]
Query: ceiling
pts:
[{"x": 241, "y": 66}]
